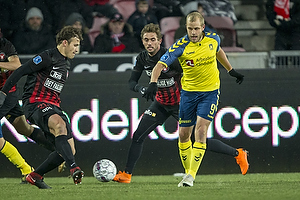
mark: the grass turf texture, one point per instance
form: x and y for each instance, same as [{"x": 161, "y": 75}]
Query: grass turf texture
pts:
[{"x": 210, "y": 187}]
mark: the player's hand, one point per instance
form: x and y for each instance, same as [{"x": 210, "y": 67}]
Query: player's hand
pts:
[
  {"x": 239, "y": 77},
  {"x": 140, "y": 89},
  {"x": 151, "y": 91},
  {"x": 2, "y": 98},
  {"x": 143, "y": 90}
]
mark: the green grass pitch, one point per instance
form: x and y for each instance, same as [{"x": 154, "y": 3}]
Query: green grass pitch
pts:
[{"x": 206, "y": 187}]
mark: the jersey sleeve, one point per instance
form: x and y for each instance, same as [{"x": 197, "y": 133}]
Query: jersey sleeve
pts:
[
  {"x": 138, "y": 64},
  {"x": 40, "y": 61},
  {"x": 9, "y": 48},
  {"x": 174, "y": 51}
]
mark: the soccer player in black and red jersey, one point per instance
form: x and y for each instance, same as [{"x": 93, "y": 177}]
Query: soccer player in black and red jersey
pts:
[
  {"x": 9, "y": 61},
  {"x": 47, "y": 73},
  {"x": 165, "y": 104}
]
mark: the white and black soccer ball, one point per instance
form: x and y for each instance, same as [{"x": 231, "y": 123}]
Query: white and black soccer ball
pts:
[{"x": 104, "y": 170}]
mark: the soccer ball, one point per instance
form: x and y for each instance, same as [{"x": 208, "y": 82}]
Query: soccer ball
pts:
[{"x": 104, "y": 170}]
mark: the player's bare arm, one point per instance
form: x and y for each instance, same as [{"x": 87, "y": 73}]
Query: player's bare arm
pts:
[
  {"x": 222, "y": 58},
  {"x": 13, "y": 64},
  {"x": 156, "y": 72}
]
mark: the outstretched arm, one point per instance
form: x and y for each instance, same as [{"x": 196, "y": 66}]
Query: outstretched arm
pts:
[
  {"x": 15, "y": 77},
  {"x": 156, "y": 72},
  {"x": 12, "y": 64},
  {"x": 222, "y": 58},
  {"x": 152, "y": 89}
]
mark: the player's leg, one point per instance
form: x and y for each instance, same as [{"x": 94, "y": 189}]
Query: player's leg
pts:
[
  {"x": 36, "y": 177},
  {"x": 145, "y": 127},
  {"x": 187, "y": 120},
  {"x": 35, "y": 134},
  {"x": 239, "y": 154},
  {"x": 14, "y": 156},
  {"x": 155, "y": 115},
  {"x": 199, "y": 146},
  {"x": 64, "y": 144}
]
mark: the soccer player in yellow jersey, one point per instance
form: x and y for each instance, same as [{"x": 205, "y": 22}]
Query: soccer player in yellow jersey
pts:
[{"x": 197, "y": 53}]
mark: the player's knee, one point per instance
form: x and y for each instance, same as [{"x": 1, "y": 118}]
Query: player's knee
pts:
[
  {"x": 73, "y": 151},
  {"x": 137, "y": 138}
]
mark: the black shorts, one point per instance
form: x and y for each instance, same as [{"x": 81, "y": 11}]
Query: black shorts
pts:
[
  {"x": 160, "y": 113},
  {"x": 11, "y": 108},
  {"x": 38, "y": 113}
]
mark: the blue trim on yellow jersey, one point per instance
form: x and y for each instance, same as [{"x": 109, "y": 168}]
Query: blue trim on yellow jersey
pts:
[
  {"x": 179, "y": 46},
  {"x": 198, "y": 62}
]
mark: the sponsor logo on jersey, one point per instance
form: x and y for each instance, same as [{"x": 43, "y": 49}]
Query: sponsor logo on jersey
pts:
[
  {"x": 46, "y": 109},
  {"x": 184, "y": 121},
  {"x": 161, "y": 83},
  {"x": 147, "y": 67},
  {"x": 36, "y": 60},
  {"x": 189, "y": 63},
  {"x": 188, "y": 53},
  {"x": 53, "y": 85},
  {"x": 149, "y": 112},
  {"x": 56, "y": 75}
]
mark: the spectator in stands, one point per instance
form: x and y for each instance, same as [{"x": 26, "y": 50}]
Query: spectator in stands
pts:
[
  {"x": 182, "y": 29},
  {"x": 76, "y": 20},
  {"x": 102, "y": 8},
  {"x": 117, "y": 37},
  {"x": 284, "y": 15},
  {"x": 60, "y": 11},
  {"x": 141, "y": 17},
  {"x": 13, "y": 13},
  {"x": 168, "y": 8},
  {"x": 34, "y": 36}
]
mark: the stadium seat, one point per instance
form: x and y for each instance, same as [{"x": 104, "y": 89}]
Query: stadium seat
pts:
[
  {"x": 125, "y": 7},
  {"x": 168, "y": 27},
  {"x": 225, "y": 29},
  {"x": 95, "y": 30}
]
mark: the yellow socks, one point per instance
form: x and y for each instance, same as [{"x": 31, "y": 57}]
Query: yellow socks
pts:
[
  {"x": 14, "y": 157},
  {"x": 185, "y": 153},
  {"x": 191, "y": 157},
  {"x": 197, "y": 156}
]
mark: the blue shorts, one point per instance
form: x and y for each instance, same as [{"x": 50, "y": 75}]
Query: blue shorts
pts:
[{"x": 193, "y": 104}]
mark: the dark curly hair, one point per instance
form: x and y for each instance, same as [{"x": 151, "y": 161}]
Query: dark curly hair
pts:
[
  {"x": 152, "y": 28},
  {"x": 67, "y": 33}
]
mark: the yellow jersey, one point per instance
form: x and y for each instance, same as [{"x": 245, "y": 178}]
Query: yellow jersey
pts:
[{"x": 198, "y": 62}]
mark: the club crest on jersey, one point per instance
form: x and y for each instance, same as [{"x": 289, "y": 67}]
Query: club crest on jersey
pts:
[
  {"x": 36, "y": 60},
  {"x": 189, "y": 63},
  {"x": 2, "y": 56},
  {"x": 211, "y": 47}
]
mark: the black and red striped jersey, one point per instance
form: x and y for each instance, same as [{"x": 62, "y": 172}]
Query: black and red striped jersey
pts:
[
  {"x": 168, "y": 82},
  {"x": 50, "y": 72},
  {"x": 7, "y": 49}
]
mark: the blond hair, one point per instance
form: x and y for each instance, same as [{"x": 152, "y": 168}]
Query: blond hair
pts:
[{"x": 193, "y": 16}]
